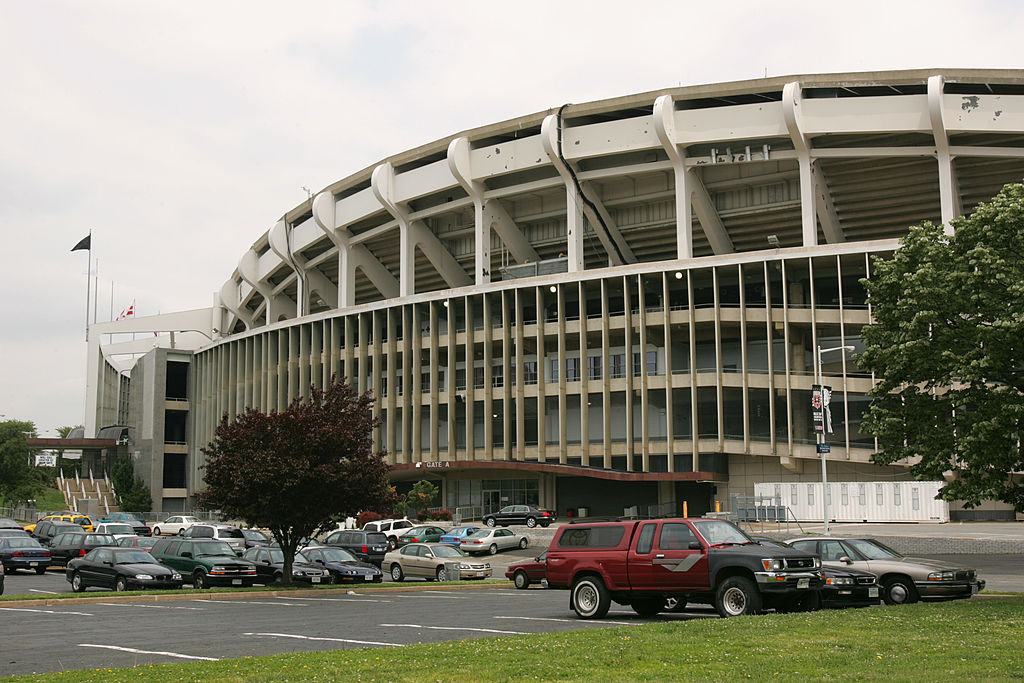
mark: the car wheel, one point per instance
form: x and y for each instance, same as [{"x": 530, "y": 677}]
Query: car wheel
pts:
[
  {"x": 737, "y": 595},
  {"x": 121, "y": 585},
  {"x": 590, "y": 598},
  {"x": 391, "y": 543},
  {"x": 396, "y": 572},
  {"x": 648, "y": 607},
  {"x": 156, "y": 531},
  {"x": 199, "y": 580},
  {"x": 441, "y": 574},
  {"x": 531, "y": 522},
  {"x": 899, "y": 590},
  {"x": 493, "y": 550},
  {"x": 523, "y": 542},
  {"x": 491, "y": 522},
  {"x": 674, "y": 605},
  {"x": 76, "y": 583},
  {"x": 545, "y": 524},
  {"x": 278, "y": 579},
  {"x": 521, "y": 580},
  {"x": 41, "y": 570}
]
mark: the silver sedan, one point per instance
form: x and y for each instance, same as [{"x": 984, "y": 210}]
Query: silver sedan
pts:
[{"x": 493, "y": 540}]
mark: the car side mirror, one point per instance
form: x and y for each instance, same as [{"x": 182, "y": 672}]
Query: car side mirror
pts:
[
  {"x": 186, "y": 554},
  {"x": 845, "y": 559},
  {"x": 695, "y": 545},
  {"x": 109, "y": 563}
]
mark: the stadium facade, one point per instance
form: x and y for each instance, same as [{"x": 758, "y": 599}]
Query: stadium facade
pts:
[{"x": 600, "y": 306}]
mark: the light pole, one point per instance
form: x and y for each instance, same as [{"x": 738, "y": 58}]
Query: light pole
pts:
[{"x": 821, "y": 434}]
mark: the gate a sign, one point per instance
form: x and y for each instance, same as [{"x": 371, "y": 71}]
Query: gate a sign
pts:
[{"x": 821, "y": 413}]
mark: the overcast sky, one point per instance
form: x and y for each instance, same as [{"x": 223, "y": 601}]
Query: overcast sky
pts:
[{"x": 180, "y": 132}]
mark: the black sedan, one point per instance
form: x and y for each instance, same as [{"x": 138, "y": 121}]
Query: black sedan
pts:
[
  {"x": 520, "y": 514},
  {"x": 343, "y": 565},
  {"x": 254, "y": 538},
  {"x": 845, "y": 587},
  {"x": 270, "y": 567},
  {"x": 23, "y": 552},
  {"x": 121, "y": 569}
]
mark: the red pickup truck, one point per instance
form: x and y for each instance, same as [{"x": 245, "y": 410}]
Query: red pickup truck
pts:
[{"x": 644, "y": 563}]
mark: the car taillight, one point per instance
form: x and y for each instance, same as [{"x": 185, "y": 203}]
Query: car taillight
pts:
[
  {"x": 18, "y": 554},
  {"x": 415, "y": 540},
  {"x": 81, "y": 553},
  {"x": 365, "y": 549},
  {"x": 545, "y": 514}
]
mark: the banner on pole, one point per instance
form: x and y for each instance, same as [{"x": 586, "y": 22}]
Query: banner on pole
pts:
[{"x": 821, "y": 412}]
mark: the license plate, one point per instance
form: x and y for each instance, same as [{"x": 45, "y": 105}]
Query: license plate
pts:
[
  {"x": 873, "y": 592},
  {"x": 33, "y": 564},
  {"x": 803, "y": 583},
  {"x": 315, "y": 579},
  {"x": 236, "y": 582},
  {"x": 378, "y": 548}
]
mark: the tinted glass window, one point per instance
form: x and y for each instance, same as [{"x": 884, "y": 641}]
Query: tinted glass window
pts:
[
  {"x": 646, "y": 540},
  {"x": 675, "y": 536},
  {"x": 202, "y": 532},
  {"x": 806, "y": 546},
  {"x": 99, "y": 539},
  {"x": 103, "y": 555},
  {"x": 591, "y": 537},
  {"x": 231, "y": 533},
  {"x": 376, "y": 539}
]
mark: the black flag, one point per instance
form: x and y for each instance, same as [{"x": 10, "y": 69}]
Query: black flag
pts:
[{"x": 86, "y": 243}]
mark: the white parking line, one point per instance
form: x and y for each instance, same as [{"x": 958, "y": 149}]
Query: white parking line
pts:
[
  {"x": 149, "y": 652},
  {"x": 44, "y": 611},
  {"x": 460, "y": 628},
  {"x": 132, "y": 604},
  {"x": 428, "y": 594},
  {"x": 332, "y": 640},
  {"x": 354, "y": 598},
  {"x": 251, "y": 602},
  {"x": 575, "y": 621},
  {"x": 36, "y": 590}
]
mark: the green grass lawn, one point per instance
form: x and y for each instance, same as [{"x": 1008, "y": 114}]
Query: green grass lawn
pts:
[{"x": 981, "y": 639}]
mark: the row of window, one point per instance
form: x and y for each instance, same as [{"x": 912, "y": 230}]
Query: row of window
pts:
[{"x": 860, "y": 495}]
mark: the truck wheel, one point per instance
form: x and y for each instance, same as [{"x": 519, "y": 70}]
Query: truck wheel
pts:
[
  {"x": 590, "y": 598},
  {"x": 648, "y": 607},
  {"x": 899, "y": 590},
  {"x": 737, "y": 595},
  {"x": 199, "y": 580},
  {"x": 521, "y": 580}
]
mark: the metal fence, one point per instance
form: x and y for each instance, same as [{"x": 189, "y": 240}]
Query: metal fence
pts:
[{"x": 761, "y": 514}]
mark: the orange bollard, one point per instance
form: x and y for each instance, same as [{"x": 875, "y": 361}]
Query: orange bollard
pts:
[{"x": 685, "y": 512}]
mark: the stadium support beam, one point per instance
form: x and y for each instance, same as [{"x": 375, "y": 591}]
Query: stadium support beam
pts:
[
  {"x": 351, "y": 256},
  {"x": 488, "y": 214},
  {"x": 691, "y": 195},
  {"x": 825, "y": 208},
  {"x": 949, "y": 189},
  {"x": 276, "y": 305},
  {"x": 230, "y": 298},
  {"x": 307, "y": 279},
  {"x": 412, "y": 234},
  {"x": 791, "y": 100},
  {"x": 579, "y": 206}
]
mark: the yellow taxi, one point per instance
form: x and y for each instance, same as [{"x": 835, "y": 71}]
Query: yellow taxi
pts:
[{"x": 81, "y": 520}]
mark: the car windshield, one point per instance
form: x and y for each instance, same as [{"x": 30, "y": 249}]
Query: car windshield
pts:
[
  {"x": 254, "y": 535},
  {"x": 447, "y": 551},
  {"x": 717, "y": 532},
  {"x": 338, "y": 555},
  {"x": 873, "y": 550},
  {"x": 17, "y": 542},
  {"x": 213, "y": 548},
  {"x": 118, "y": 529},
  {"x": 134, "y": 557}
]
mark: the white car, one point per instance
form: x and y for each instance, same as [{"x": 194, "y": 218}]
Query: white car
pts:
[
  {"x": 392, "y": 528},
  {"x": 493, "y": 540},
  {"x": 174, "y": 525},
  {"x": 115, "y": 529}
]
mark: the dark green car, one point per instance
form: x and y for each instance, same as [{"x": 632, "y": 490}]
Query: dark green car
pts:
[
  {"x": 205, "y": 563},
  {"x": 420, "y": 534}
]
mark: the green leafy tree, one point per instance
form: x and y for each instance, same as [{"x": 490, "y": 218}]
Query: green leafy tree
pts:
[
  {"x": 68, "y": 467},
  {"x": 422, "y": 494},
  {"x": 19, "y": 482},
  {"x": 292, "y": 471},
  {"x": 130, "y": 492},
  {"x": 947, "y": 340}
]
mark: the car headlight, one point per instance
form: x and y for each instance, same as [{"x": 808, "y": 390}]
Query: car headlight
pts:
[
  {"x": 219, "y": 569},
  {"x": 175, "y": 576},
  {"x": 839, "y": 581},
  {"x": 463, "y": 565},
  {"x": 773, "y": 565},
  {"x": 144, "y": 577},
  {"x": 940, "y": 576},
  {"x": 487, "y": 565}
]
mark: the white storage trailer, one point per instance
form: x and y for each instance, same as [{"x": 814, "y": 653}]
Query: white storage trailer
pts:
[{"x": 860, "y": 501}]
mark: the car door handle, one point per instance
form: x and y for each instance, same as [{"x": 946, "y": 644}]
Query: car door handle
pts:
[{"x": 659, "y": 556}]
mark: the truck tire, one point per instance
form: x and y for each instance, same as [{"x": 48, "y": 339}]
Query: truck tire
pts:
[
  {"x": 590, "y": 598},
  {"x": 736, "y": 596},
  {"x": 648, "y": 607}
]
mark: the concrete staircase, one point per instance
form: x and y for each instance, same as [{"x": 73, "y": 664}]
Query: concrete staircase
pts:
[{"x": 88, "y": 495}]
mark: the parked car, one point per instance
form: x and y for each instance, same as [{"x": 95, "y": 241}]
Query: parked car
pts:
[
  {"x": 205, "y": 562},
  {"x": 46, "y": 529},
  {"x": 845, "y": 587},
  {"x": 343, "y": 565},
  {"x": 391, "y": 528},
  {"x": 6, "y": 523},
  {"x": 418, "y": 534},
  {"x": 70, "y": 517},
  {"x": 367, "y": 546},
  {"x": 270, "y": 567},
  {"x": 15, "y": 532},
  {"x": 69, "y": 545},
  {"x": 523, "y": 574},
  {"x": 254, "y": 538},
  {"x": 520, "y": 514},
  {"x": 139, "y": 527},
  {"x": 231, "y": 535},
  {"x": 23, "y": 553},
  {"x": 455, "y": 535},
  {"x": 430, "y": 561},
  {"x": 902, "y": 579},
  {"x": 143, "y": 542},
  {"x": 174, "y": 524},
  {"x": 122, "y": 569},
  {"x": 115, "y": 529},
  {"x": 493, "y": 540},
  {"x": 1, "y": 579}
]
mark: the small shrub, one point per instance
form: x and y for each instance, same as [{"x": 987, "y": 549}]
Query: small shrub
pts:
[
  {"x": 367, "y": 516},
  {"x": 422, "y": 515},
  {"x": 443, "y": 515}
]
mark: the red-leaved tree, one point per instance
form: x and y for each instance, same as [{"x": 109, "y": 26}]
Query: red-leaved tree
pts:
[{"x": 291, "y": 471}]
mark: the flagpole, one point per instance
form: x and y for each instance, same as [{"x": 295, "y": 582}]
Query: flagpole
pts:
[
  {"x": 96, "y": 294},
  {"x": 88, "y": 291}
]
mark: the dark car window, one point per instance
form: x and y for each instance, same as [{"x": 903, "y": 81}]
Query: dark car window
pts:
[
  {"x": 230, "y": 532},
  {"x": 592, "y": 537},
  {"x": 333, "y": 538},
  {"x": 831, "y": 551},
  {"x": 675, "y": 536},
  {"x": 337, "y": 555},
  {"x": 202, "y": 532},
  {"x": 91, "y": 541},
  {"x": 412, "y": 550},
  {"x": 806, "y": 546},
  {"x": 645, "y": 542},
  {"x": 19, "y": 542},
  {"x": 102, "y": 555},
  {"x": 376, "y": 539}
]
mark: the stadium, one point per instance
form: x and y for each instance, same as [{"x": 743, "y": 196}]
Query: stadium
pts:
[{"x": 604, "y": 307}]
